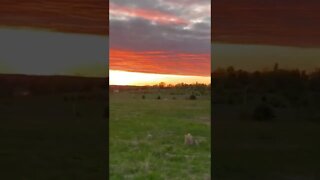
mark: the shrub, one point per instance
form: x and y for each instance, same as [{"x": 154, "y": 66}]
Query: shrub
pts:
[
  {"x": 143, "y": 96},
  {"x": 159, "y": 97},
  {"x": 263, "y": 112},
  {"x": 193, "y": 97}
]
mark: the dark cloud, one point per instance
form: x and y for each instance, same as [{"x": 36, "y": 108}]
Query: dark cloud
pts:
[
  {"x": 271, "y": 22},
  {"x": 174, "y": 6},
  {"x": 139, "y": 32},
  {"x": 75, "y": 16},
  {"x": 140, "y": 35},
  {"x": 48, "y": 53}
]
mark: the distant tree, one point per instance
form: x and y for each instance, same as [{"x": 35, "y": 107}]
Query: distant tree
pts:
[
  {"x": 170, "y": 85},
  {"x": 162, "y": 85},
  {"x": 193, "y": 97},
  {"x": 276, "y": 67}
]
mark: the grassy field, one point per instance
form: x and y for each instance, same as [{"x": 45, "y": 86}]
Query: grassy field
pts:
[
  {"x": 42, "y": 138},
  {"x": 147, "y": 136},
  {"x": 282, "y": 149}
]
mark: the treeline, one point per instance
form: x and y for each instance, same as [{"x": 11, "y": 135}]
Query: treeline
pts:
[
  {"x": 163, "y": 85},
  {"x": 12, "y": 85},
  {"x": 262, "y": 81},
  {"x": 198, "y": 86},
  {"x": 296, "y": 86}
]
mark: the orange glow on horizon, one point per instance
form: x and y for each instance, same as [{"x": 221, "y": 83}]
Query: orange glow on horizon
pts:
[
  {"x": 118, "y": 77},
  {"x": 171, "y": 62}
]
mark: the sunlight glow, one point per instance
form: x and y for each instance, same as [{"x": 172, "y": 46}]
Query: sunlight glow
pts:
[{"x": 118, "y": 77}]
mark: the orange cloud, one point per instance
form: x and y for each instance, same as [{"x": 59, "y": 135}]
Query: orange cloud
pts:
[
  {"x": 151, "y": 15},
  {"x": 160, "y": 62}
]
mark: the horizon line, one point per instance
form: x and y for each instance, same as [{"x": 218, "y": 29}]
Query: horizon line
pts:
[{"x": 119, "y": 77}]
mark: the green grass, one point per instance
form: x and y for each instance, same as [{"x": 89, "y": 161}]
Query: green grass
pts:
[
  {"x": 279, "y": 150},
  {"x": 147, "y": 137},
  {"x": 41, "y": 138}
]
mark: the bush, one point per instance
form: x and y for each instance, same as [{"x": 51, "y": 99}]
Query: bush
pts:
[
  {"x": 193, "y": 97},
  {"x": 143, "y": 96},
  {"x": 159, "y": 97},
  {"x": 263, "y": 112}
]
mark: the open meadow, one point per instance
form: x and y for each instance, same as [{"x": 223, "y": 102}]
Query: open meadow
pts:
[
  {"x": 266, "y": 125},
  {"x": 279, "y": 150},
  {"x": 53, "y": 136},
  {"x": 147, "y": 135}
]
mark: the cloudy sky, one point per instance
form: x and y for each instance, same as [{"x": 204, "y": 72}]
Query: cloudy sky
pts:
[
  {"x": 52, "y": 53},
  {"x": 77, "y": 16},
  {"x": 272, "y": 22},
  {"x": 161, "y": 36},
  {"x": 254, "y": 34},
  {"x": 54, "y": 37}
]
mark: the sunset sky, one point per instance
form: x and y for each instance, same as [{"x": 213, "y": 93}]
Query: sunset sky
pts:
[
  {"x": 170, "y": 37},
  {"x": 54, "y": 37},
  {"x": 162, "y": 37},
  {"x": 255, "y": 34}
]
